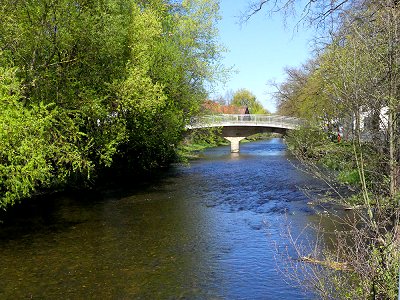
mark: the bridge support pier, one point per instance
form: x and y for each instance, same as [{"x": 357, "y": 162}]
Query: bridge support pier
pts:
[{"x": 235, "y": 143}]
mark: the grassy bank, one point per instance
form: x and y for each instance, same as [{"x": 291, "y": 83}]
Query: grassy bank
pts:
[
  {"x": 203, "y": 139},
  {"x": 355, "y": 173}
]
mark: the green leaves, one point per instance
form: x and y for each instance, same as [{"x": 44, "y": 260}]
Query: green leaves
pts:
[
  {"x": 39, "y": 145},
  {"x": 103, "y": 84},
  {"x": 244, "y": 97},
  {"x": 37, "y": 149}
]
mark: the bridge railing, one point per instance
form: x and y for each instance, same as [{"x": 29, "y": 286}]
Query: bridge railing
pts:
[{"x": 245, "y": 120}]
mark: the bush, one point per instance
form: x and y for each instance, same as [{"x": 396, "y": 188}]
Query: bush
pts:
[{"x": 38, "y": 145}]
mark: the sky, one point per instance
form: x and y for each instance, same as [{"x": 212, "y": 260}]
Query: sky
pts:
[{"x": 259, "y": 50}]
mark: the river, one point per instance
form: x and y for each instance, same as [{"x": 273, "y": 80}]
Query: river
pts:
[{"x": 207, "y": 230}]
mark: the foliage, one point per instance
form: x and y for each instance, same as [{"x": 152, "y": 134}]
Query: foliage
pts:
[
  {"x": 244, "y": 97},
  {"x": 312, "y": 145},
  {"x": 260, "y": 136},
  {"x": 104, "y": 84},
  {"x": 303, "y": 93},
  {"x": 308, "y": 141},
  {"x": 363, "y": 264},
  {"x": 40, "y": 146},
  {"x": 369, "y": 245},
  {"x": 352, "y": 84},
  {"x": 199, "y": 139}
]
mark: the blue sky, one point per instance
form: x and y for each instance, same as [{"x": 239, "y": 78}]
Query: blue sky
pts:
[{"x": 259, "y": 50}]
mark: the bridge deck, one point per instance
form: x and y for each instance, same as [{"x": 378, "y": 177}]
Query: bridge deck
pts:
[{"x": 245, "y": 120}]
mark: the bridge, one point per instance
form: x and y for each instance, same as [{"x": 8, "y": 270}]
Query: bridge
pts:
[{"x": 237, "y": 127}]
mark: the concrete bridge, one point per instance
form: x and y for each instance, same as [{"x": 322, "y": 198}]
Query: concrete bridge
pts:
[{"x": 237, "y": 127}]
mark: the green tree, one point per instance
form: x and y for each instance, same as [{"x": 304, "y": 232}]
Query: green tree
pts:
[
  {"x": 246, "y": 98},
  {"x": 359, "y": 76},
  {"x": 303, "y": 93},
  {"x": 39, "y": 146},
  {"x": 107, "y": 84},
  {"x": 174, "y": 52}
]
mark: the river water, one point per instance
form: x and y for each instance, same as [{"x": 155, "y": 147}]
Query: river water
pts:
[{"x": 208, "y": 230}]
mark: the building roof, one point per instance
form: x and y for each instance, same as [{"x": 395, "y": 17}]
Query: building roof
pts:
[{"x": 216, "y": 108}]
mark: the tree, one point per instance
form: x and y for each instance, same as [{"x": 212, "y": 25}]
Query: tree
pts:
[
  {"x": 364, "y": 77},
  {"x": 108, "y": 84},
  {"x": 317, "y": 12},
  {"x": 287, "y": 94},
  {"x": 358, "y": 75},
  {"x": 303, "y": 95},
  {"x": 246, "y": 98},
  {"x": 39, "y": 146},
  {"x": 354, "y": 76},
  {"x": 173, "y": 49}
]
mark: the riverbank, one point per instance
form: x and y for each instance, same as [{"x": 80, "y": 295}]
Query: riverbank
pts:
[
  {"x": 118, "y": 182},
  {"x": 189, "y": 149},
  {"x": 369, "y": 247}
]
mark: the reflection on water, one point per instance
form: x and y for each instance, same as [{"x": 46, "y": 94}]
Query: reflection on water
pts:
[{"x": 197, "y": 234}]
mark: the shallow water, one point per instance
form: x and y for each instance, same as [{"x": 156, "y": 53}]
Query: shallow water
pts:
[{"x": 209, "y": 230}]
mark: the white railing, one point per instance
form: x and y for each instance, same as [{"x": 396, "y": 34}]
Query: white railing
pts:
[{"x": 244, "y": 120}]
